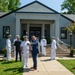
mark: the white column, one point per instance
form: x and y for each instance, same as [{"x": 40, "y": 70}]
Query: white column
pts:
[
  {"x": 28, "y": 29},
  {"x": 57, "y": 31},
  {"x": 43, "y": 29},
  {"x": 18, "y": 27},
  {"x": 52, "y": 29}
]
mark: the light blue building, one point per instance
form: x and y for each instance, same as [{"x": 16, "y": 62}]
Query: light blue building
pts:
[{"x": 37, "y": 19}]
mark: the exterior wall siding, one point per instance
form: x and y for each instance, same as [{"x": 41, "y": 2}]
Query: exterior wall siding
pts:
[
  {"x": 64, "y": 23},
  {"x": 7, "y": 21}
]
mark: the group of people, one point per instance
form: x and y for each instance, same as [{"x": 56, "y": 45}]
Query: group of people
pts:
[{"x": 22, "y": 49}]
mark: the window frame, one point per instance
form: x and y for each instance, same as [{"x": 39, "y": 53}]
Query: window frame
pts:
[{"x": 6, "y": 31}]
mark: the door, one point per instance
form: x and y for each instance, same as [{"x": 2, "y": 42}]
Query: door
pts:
[{"x": 36, "y": 31}]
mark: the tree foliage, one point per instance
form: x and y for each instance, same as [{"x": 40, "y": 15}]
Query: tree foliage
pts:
[
  {"x": 71, "y": 28},
  {"x": 69, "y": 5},
  {"x": 3, "y": 6},
  {"x": 13, "y": 4},
  {"x": 9, "y": 5}
]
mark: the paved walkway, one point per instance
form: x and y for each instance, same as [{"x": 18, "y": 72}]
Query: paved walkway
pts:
[{"x": 47, "y": 67}]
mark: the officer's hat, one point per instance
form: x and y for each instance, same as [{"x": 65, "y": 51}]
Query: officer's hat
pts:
[
  {"x": 9, "y": 36},
  {"x": 53, "y": 37},
  {"x": 25, "y": 36},
  {"x": 43, "y": 36}
]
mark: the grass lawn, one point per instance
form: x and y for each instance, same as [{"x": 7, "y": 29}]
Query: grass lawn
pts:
[
  {"x": 10, "y": 68},
  {"x": 69, "y": 64}
]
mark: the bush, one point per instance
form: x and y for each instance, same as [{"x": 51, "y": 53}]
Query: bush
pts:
[
  {"x": 48, "y": 40},
  {"x": 22, "y": 38},
  {"x": 4, "y": 51}
]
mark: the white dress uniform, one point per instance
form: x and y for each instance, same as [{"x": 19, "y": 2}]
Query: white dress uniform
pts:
[
  {"x": 14, "y": 49},
  {"x": 53, "y": 49},
  {"x": 8, "y": 48},
  {"x": 43, "y": 46},
  {"x": 25, "y": 52}
]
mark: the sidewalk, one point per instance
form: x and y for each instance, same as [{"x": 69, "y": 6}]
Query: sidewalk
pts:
[{"x": 47, "y": 67}]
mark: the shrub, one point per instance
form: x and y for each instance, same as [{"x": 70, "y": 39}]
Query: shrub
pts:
[
  {"x": 48, "y": 40},
  {"x": 4, "y": 51}
]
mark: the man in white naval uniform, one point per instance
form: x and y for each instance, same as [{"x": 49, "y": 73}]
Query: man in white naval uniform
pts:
[
  {"x": 53, "y": 48},
  {"x": 43, "y": 45},
  {"x": 8, "y": 47},
  {"x": 25, "y": 50}
]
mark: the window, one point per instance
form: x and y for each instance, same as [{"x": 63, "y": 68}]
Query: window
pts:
[
  {"x": 6, "y": 31},
  {"x": 63, "y": 33}
]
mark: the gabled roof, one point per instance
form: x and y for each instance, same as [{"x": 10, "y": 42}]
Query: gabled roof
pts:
[
  {"x": 26, "y": 6},
  {"x": 71, "y": 16},
  {"x": 35, "y": 12},
  {"x": 2, "y": 13}
]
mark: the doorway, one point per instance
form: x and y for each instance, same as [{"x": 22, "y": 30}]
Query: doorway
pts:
[{"x": 36, "y": 31}]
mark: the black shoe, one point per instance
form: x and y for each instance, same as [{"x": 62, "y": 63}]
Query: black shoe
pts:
[
  {"x": 32, "y": 68},
  {"x": 35, "y": 68},
  {"x": 26, "y": 66}
]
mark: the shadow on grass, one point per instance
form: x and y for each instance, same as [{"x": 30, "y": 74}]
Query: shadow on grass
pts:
[
  {"x": 17, "y": 70},
  {"x": 7, "y": 62}
]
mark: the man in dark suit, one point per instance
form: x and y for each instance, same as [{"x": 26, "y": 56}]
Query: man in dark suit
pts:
[
  {"x": 18, "y": 50},
  {"x": 35, "y": 52}
]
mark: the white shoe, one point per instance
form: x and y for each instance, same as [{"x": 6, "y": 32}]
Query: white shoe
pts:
[{"x": 23, "y": 66}]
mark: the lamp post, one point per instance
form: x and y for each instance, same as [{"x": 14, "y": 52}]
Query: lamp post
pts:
[{"x": 71, "y": 52}]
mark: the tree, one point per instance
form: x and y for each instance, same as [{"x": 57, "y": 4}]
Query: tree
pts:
[
  {"x": 69, "y": 5},
  {"x": 71, "y": 28},
  {"x": 9, "y": 5},
  {"x": 3, "y": 6},
  {"x": 13, "y": 4}
]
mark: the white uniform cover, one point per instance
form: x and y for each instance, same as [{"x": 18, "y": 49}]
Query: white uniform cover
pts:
[
  {"x": 53, "y": 49},
  {"x": 8, "y": 48},
  {"x": 43, "y": 46},
  {"x": 25, "y": 52}
]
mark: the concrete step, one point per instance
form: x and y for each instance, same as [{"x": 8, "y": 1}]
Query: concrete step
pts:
[{"x": 59, "y": 52}]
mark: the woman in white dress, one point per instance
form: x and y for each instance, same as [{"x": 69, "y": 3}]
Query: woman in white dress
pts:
[{"x": 25, "y": 50}]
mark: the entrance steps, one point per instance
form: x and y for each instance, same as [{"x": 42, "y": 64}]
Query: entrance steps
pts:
[{"x": 59, "y": 52}]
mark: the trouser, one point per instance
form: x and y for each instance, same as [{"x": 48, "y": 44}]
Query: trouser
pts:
[
  {"x": 18, "y": 51},
  {"x": 53, "y": 53},
  {"x": 34, "y": 60},
  {"x": 14, "y": 52},
  {"x": 25, "y": 60},
  {"x": 43, "y": 50},
  {"x": 39, "y": 47},
  {"x": 8, "y": 53}
]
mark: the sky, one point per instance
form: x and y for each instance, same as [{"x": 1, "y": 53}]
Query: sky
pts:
[{"x": 54, "y": 4}]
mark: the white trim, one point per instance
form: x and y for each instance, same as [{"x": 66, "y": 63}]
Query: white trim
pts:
[
  {"x": 43, "y": 29},
  {"x": 18, "y": 27},
  {"x": 28, "y": 25}
]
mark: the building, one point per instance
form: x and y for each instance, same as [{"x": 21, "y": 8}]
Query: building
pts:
[{"x": 34, "y": 18}]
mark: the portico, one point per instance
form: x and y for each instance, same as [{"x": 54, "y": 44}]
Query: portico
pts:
[
  {"x": 38, "y": 22},
  {"x": 48, "y": 26}
]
